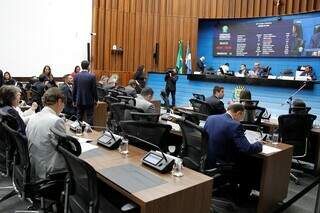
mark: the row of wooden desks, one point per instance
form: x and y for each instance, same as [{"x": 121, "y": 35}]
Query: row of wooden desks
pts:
[{"x": 190, "y": 193}]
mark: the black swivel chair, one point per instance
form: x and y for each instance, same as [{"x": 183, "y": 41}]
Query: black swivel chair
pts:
[
  {"x": 252, "y": 117},
  {"x": 201, "y": 107},
  {"x": 121, "y": 112},
  {"x": 142, "y": 116},
  {"x": 194, "y": 155},
  {"x": 194, "y": 117},
  {"x": 81, "y": 187},
  {"x": 101, "y": 93},
  {"x": 199, "y": 96},
  {"x": 155, "y": 133},
  {"x": 49, "y": 188},
  {"x": 295, "y": 129}
]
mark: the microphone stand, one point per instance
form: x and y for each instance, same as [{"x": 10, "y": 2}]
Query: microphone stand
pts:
[{"x": 289, "y": 100}]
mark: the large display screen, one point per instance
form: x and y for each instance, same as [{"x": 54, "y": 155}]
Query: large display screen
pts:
[{"x": 267, "y": 37}]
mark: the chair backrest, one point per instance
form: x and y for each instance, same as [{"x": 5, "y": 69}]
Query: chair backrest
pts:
[
  {"x": 294, "y": 129},
  {"x": 127, "y": 100},
  {"x": 201, "y": 107},
  {"x": 249, "y": 102},
  {"x": 194, "y": 146},
  {"x": 200, "y": 97},
  {"x": 120, "y": 112},
  {"x": 21, "y": 167},
  {"x": 253, "y": 114},
  {"x": 155, "y": 133},
  {"x": 101, "y": 93},
  {"x": 81, "y": 189},
  {"x": 35, "y": 95},
  {"x": 193, "y": 117},
  {"x": 142, "y": 116},
  {"x": 115, "y": 92}
]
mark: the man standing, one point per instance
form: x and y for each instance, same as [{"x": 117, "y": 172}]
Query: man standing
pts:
[
  {"x": 215, "y": 100},
  {"x": 85, "y": 93},
  {"x": 66, "y": 88},
  {"x": 200, "y": 64},
  {"x": 171, "y": 79}
]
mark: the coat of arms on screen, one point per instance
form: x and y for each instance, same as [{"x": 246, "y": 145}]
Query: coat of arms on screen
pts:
[{"x": 236, "y": 92}]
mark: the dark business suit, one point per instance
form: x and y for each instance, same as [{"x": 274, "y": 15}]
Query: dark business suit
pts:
[
  {"x": 14, "y": 113},
  {"x": 39, "y": 87},
  {"x": 216, "y": 105},
  {"x": 226, "y": 143},
  {"x": 85, "y": 94},
  {"x": 171, "y": 86},
  {"x": 1, "y": 78},
  {"x": 68, "y": 109},
  {"x": 200, "y": 66}
]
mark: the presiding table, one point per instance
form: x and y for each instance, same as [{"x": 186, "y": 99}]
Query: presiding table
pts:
[{"x": 158, "y": 192}]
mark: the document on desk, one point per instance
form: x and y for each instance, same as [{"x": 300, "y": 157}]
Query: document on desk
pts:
[
  {"x": 269, "y": 149},
  {"x": 87, "y": 147},
  {"x": 253, "y": 136},
  {"x": 82, "y": 140}
]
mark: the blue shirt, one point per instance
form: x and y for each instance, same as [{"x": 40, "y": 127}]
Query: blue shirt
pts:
[{"x": 226, "y": 139}]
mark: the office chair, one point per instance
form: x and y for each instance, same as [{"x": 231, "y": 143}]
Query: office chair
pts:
[
  {"x": 301, "y": 110},
  {"x": 252, "y": 117},
  {"x": 142, "y": 116},
  {"x": 193, "y": 117},
  {"x": 295, "y": 129},
  {"x": 49, "y": 188},
  {"x": 115, "y": 92},
  {"x": 101, "y": 93},
  {"x": 201, "y": 107},
  {"x": 199, "y": 96},
  {"x": 127, "y": 100},
  {"x": 194, "y": 154},
  {"x": 121, "y": 112},
  {"x": 36, "y": 97},
  {"x": 155, "y": 133}
]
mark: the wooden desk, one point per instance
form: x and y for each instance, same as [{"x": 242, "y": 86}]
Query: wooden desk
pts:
[
  {"x": 275, "y": 173},
  {"x": 190, "y": 193},
  {"x": 313, "y": 154}
]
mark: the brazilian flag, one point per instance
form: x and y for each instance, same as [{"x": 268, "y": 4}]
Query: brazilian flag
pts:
[{"x": 179, "y": 63}]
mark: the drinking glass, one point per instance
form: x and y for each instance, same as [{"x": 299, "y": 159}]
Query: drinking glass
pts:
[
  {"x": 275, "y": 138},
  {"x": 123, "y": 148},
  {"x": 177, "y": 168},
  {"x": 79, "y": 130}
]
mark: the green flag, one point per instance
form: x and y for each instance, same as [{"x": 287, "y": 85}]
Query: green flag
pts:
[{"x": 179, "y": 63}]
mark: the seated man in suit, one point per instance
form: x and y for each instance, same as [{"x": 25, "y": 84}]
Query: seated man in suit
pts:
[
  {"x": 226, "y": 140},
  {"x": 200, "y": 65},
  {"x": 131, "y": 88},
  {"x": 215, "y": 100},
  {"x": 143, "y": 100},
  {"x": 66, "y": 88},
  {"x": 44, "y": 157},
  {"x": 309, "y": 73}
]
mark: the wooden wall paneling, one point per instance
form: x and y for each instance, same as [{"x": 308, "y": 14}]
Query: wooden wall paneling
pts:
[
  {"x": 317, "y": 7},
  {"x": 225, "y": 8},
  {"x": 156, "y": 7},
  {"x": 143, "y": 40},
  {"x": 270, "y": 7},
  {"x": 303, "y": 5},
  {"x": 175, "y": 8},
  {"x": 201, "y": 8},
  {"x": 289, "y": 6},
  {"x": 144, "y": 5},
  {"x": 263, "y": 7},
  {"x": 156, "y": 39},
  {"x": 132, "y": 6},
  {"x": 220, "y": 8},
  {"x": 100, "y": 35},
  {"x": 169, "y": 41},
  {"x": 194, "y": 8},
  {"x": 108, "y": 4},
  {"x": 169, "y": 7},
  {"x": 119, "y": 41},
  {"x": 126, "y": 8},
  {"x": 162, "y": 42},
  {"x": 131, "y": 47},
  {"x": 95, "y": 15},
  {"x": 137, "y": 40},
  {"x": 256, "y": 9},
  {"x": 121, "y": 5},
  {"x": 125, "y": 42},
  {"x": 238, "y": 8},
  {"x": 113, "y": 39},
  {"x": 138, "y": 6},
  {"x": 194, "y": 39},
  {"x": 163, "y": 7},
  {"x": 214, "y": 9},
  {"x": 149, "y": 42},
  {"x": 311, "y": 4},
  {"x": 244, "y": 8},
  {"x": 231, "y": 9},
  {"x": 114, "y": 4},
  {"x": 250, "y": 9},
  {"x": 106, "y": 47},
  {"x": 296, "y": 6}
]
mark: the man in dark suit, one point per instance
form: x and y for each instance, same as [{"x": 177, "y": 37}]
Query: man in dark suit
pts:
[
  {"x": 66, "y": 88},
  {"x": 38, "y": 89},
  {"x": 200, "y": 64},
  {"x": 85, "y": 93},
  {"x": 171, "y": 79},
  {"x": 1, "y": 78},
  {"x": 215, "y": 100},
  {"x": 226, "y": 140}
]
